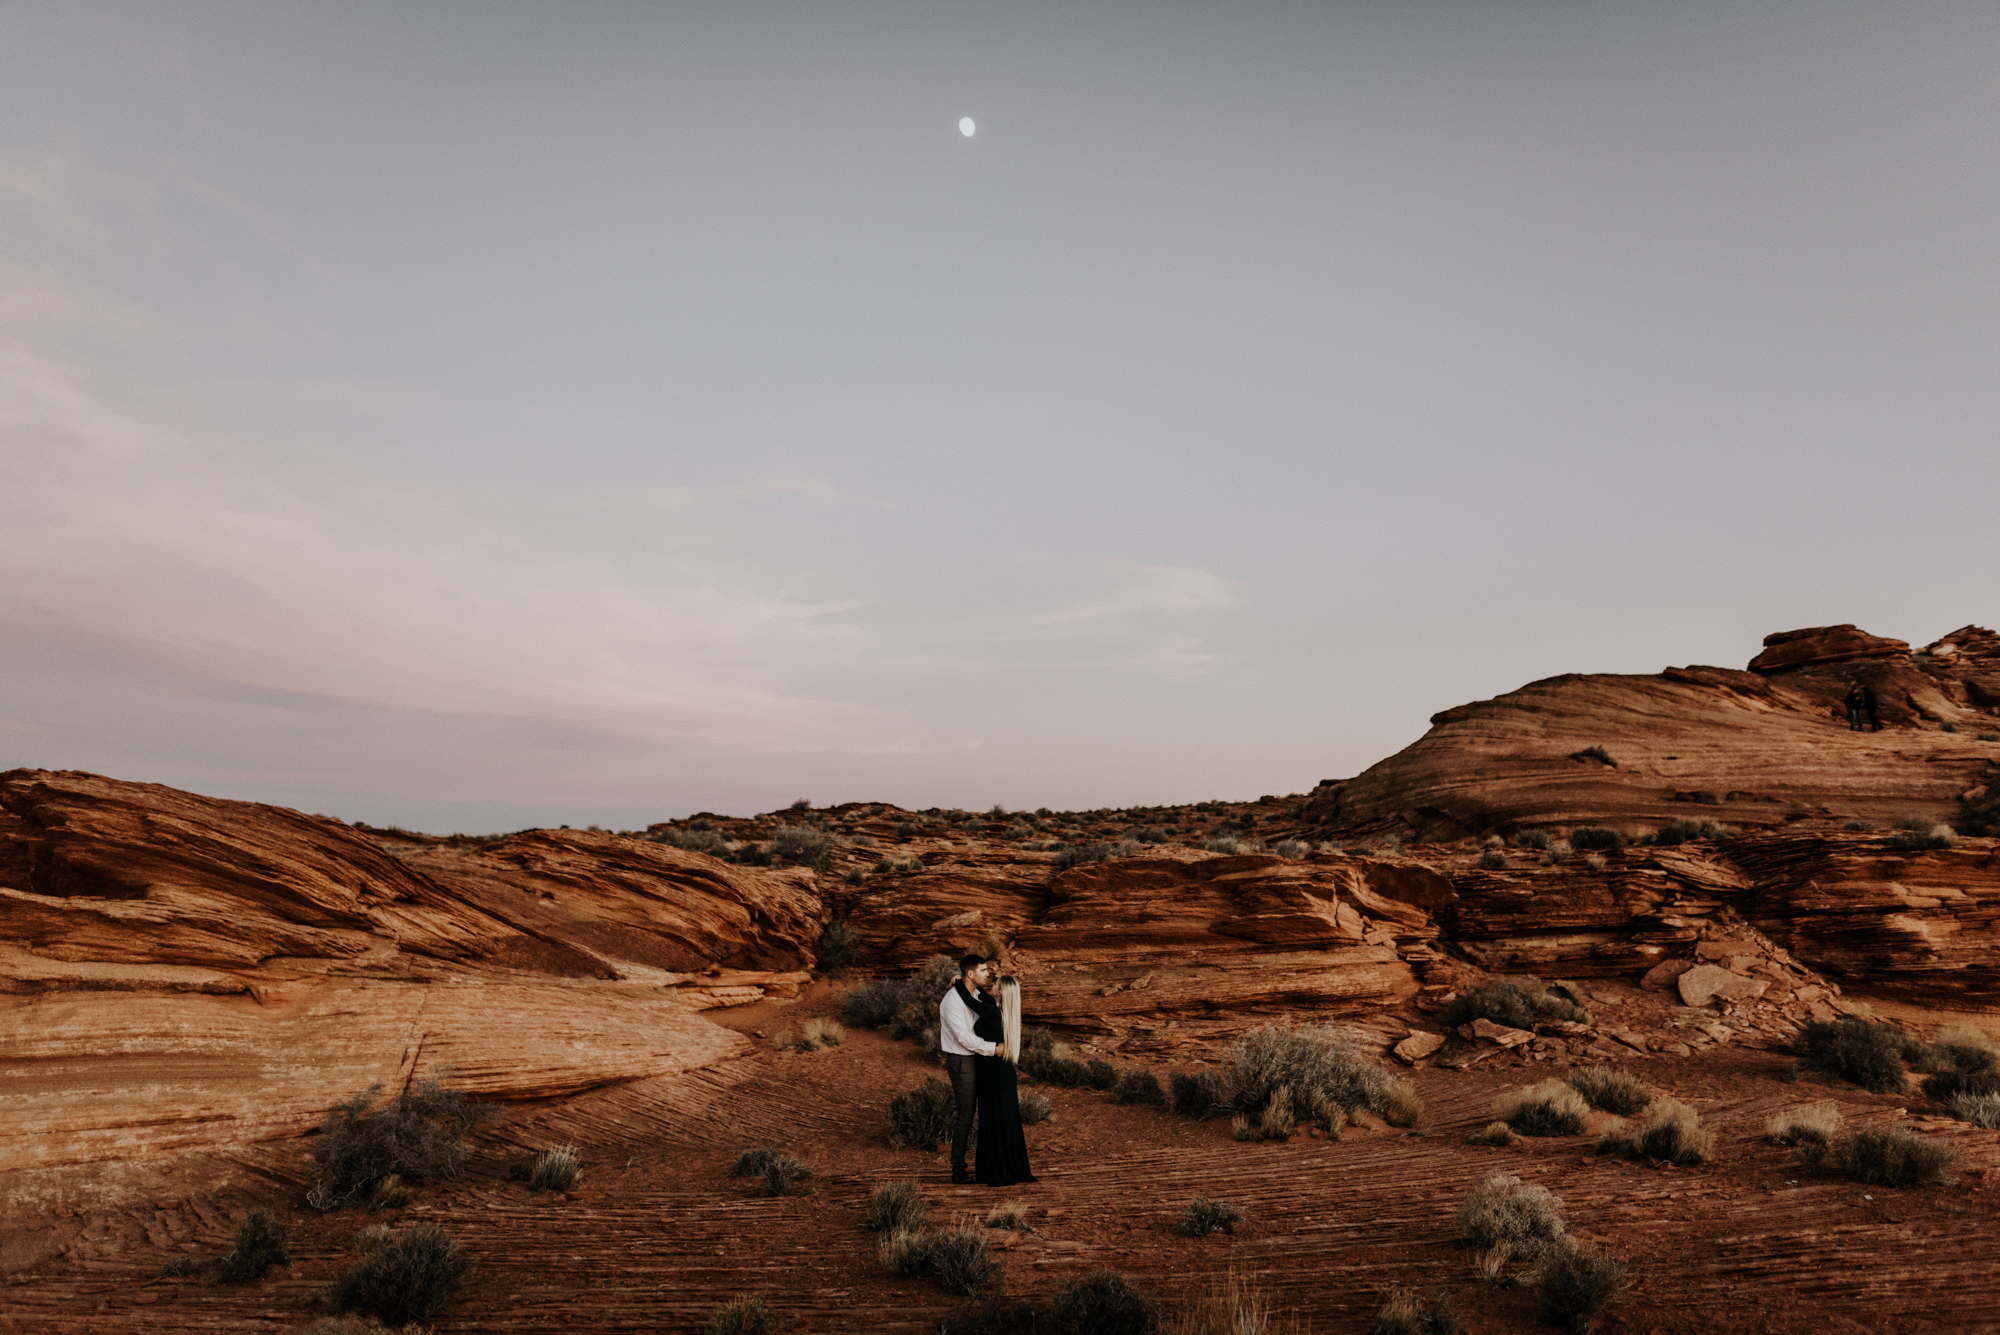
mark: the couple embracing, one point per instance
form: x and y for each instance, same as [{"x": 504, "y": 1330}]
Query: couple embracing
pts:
[{"x": 980, "y": 1031}]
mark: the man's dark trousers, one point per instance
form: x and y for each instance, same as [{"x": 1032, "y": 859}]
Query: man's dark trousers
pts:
[{"x": 965, "y": 1100}]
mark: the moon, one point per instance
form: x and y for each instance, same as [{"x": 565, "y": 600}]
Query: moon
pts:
[{"x": 965, "y": 126}]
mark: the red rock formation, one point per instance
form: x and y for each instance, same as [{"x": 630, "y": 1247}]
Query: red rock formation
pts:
[
  {"x": 1757, "y": 750},
  {"x": 1818, "y": 645}
]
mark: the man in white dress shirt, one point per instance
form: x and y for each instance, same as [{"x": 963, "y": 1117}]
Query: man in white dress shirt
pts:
[{"x": 956, "y": 1014}]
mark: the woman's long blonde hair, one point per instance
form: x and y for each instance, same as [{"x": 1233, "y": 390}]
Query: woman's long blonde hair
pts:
[{"x": 1010, "y": 1019}]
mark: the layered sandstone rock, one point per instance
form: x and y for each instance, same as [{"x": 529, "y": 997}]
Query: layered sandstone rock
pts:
[{"x": 1760, "y": 749}]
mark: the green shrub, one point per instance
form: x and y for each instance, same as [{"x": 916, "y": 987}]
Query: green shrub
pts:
[
  {"x": 1103, "y": 1303},
  {"x": 920, "y": 1118},
  {"x": 1200, "y": 1096},
  {"x": 261, "y": 1243},
  {"x": 804, "y": 845},
  {"x": 1576, "y": 1287},
  {"x": 1551, "y": 1108},
  {"x": 740, "y": 1316},
  {"x": 1204, "y": 1216},
  {"x": 1869, "y": 1055},
  {"x": 1502, "y": 1208},
  {"x": 1611, "y": 1091},
  {"x": 404, "y": 1279},
  {"x": 418, "y": 1135},
  {"x": 1140, "y": 1087},
  {"x": 897, "y": 1207}
]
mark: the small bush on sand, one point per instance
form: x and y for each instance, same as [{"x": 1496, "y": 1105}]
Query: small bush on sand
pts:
[
  {"x": 1591, "y": 837},
  {"x": 1140, "y": 1087},
  {"x": 880, "y": 1002},
  {"x": 1556, "y": 853},
  {"x": 1318, "y": 1066},
  {"x": 1099, "y": 1074},
  {"x": 1229, "y": 1305},
  {"x": 823, "y": 1033},
  {"x": 1493, "y": 1133},
  {"x": 1200, "y": 1096},
  {"x": 555, "y": 1170},
  {"x": 958, "y": 1260},
  {"x": 897, "y": 1207},
  {"x": 404, "y": 1278},
  {"x": 1958, "y": 1047},
  {"x": 1010, "y": 1215},
  {"x": 1807, "y": 1124},
  {"x": 1204, "y": 1216},
  {"x": 1669, "y": 1132},
  {"x": 1406, "y": 1314},
  {"x": 1611, "y": 1091},
  {"x": 997, "y": 1315},
  {"x": 752, "y": 1163},
  {"x": 1933, "y": 836},
  {"x": 1405, "y": 1107},
  {"x": 1686, "y": 831},
  {"x": 1103, "y": 1303},
  {"x": 920, "y": 1118},
  {"x": 804, "y": 845},
  {"x": 1981, "y": 1110},
  {"x": 417, "y": 1135},
  {"x": 1502, "y": 1208},
  {"x": 1577, "y": 1285},
  {"x": 1492, "y": 860},
  {"x": 1079, "y": 855},
  {"x": 1551, "y": 1108},
  {"x": 1948, "y": 1085},
  {"x": 1513, "y": 1005},
  {"x": 1869, "y": 1055},
  {"x": 261, "y": 1243},
  {"x": 1880, "y": 1158},
  {"x": 1532, "y": 839},
  {"x": 781, "y": 1173},
  {"x": 740, "y": 1316},
  {"x": 839, "y": 944},
  {"x": 1036, "y": 1108}
]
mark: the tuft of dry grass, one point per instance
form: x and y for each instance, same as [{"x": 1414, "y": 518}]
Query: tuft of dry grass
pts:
[
  {"x": 825, "y": 1032},
  {"x": 1231, "y": 1305},
  {"x": 555, "y": 1170},
  {"x": 1405, "y": 1105},
  {"x": 1611, "y": 1091},
  {"x": 1204, "y": 1216},
  {"x": 1577, "y": 1285},
  {"x": 1669, "y": 1132},
  {"x": 1551, "y": 1108},
  {"x": 1809, "y": 1123},
  {"x": 896, "y": 1207},
  {"x": 1493, "y": 1133},
  {"x": 1502, "y": 1208},
  {"x": 744, "y": 1315},
  {"x": 1405, "y": 1313},
  {"x": 1009, "y": 1214}
]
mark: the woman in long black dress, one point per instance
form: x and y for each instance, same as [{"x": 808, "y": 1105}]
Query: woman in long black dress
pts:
[{"x": 1003, "y": 1149}]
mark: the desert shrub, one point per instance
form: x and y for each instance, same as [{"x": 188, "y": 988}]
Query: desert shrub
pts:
[
  {"x": 1406, "y": 1314},
  {"x": 1610, "y": 1091},
  {"x": 897, "y": 1207},
  {"x": 419, "y": 1134},
  {"x": 1502, "y": 1003},
  {"x": 1501, "y": 1208},
  {"x": 1103, "y": 1303},
  {"x": 180, "y": 1267},
  {"x": 1100, "y": 1074},
  {"x": 1292, "y": 848},
  {"x": 839, "y": 943},
  {"x": 920, "y": 1118},
  {"x": 1560, "y": 1001},
  {"x": 1858, "y": 825},
  {"x": 905, "y": 829},
  {"x": 1492, "y": 841},
  {"x": 1577, "y": 1285},
  {"x": 403, "y": 1279},
  {"x": 261, "y": 1243},
  {"x": 1959, "y": 1047},
  {"x": 1936, "y": 836},
  {"x": 1036, "y": 1108},
  {"x": 1318, "y": 1066},
  {"x": 1881, "y": 1159},
  {"x": 1493, "y": 1133},
  {"x": 1979, "y": 1109},
  {"x": 1869, "y": 1055},
  {"x": 1140, "y": 1087},
  {"x": 1555, "y": 853},
  {"x": 958, "y": 1260},
  {"x": 1204, "y": 1216},
  {"x": 1492, "y": 860},
  {"x": 1229, "y": 1305},
  {"x": 1669, "y": 1132},
  {"x": 855, "y": 877},
  {"x": 1595, "y": 862},
  {"x": 1077, "y": 855},
  {"x": 1551, "y": 1108},
  {"x": 995, "y": 1315},
  {"x": 1200, "y": 1096},
  {"x": 882, "y": 1001},
  {"x": 1955, "y": 1083},
  {"x": 694, "y": 841},
  {"x": 752, "y": 1163},
  {"x": 1532, "y": 839},
  {"x": 1594, "y": 753},
  {"x": 1807, "y": 1124},
  {"x": 1686, "y": 831},
  {"x": 555, "y": 1170},
  {"x": 739, "y": 1316},
  {"x": 1405, "y": 1107},
  {"x": 804, "y": 845},
  {"x": 1595, "y": 836},
  {"x": 823, "y": 1032},
  {"x": 1009, "y": 1214},
  {"x": 781, "y": 1172}
]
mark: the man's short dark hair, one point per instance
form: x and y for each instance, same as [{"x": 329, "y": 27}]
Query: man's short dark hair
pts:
[{"x": 967, "y": 963}]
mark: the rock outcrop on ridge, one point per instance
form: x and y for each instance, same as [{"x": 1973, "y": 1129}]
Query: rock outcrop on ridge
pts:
[{"x": 1766, "y": 748}]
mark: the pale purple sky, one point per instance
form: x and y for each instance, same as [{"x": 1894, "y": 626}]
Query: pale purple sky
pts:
[{"x": 475, "y": 415}]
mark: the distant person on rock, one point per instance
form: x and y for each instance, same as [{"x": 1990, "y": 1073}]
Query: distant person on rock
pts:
[
  {"x": 962, "y": 1009},
  {"x": 1873, "y": 704},
  {"x": 1003, "y": 1146},
  {"x": 1857, "y": 708}
]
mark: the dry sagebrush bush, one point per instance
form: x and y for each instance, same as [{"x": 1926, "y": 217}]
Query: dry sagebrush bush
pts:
[
  {"x": 1669, "y": 1132},
  {"x": 1576, "y": 1286},
  {"x": 403, "y": 1279},
  {"x": 1204, "y": 1216},
  {"x": 417, "y": 1135},
  {"x": 1869, "y": 1055},
  {"x": 1809, "y": 1123},
  {"x": 1406, "y": 1314},
  {"x": 823, "y": 1032},
  {"x": 1493, "y": 1133},
  {"x": 1611, "y": 1091},
  {"x": 1199, "y": 1096},
  {"x": 1036, "y": 1108},
  {"x": 920, "y": 1118},
  {"x": 1550, "y": 1108},
  {"x": 1230, "y": 1305},
  {"x": 897, "y": 1207},
  {"x": 1313, "y": 1064},
  {"x": 1502, "y": 1208},
  {"x": 1880, "y": 1159},
  {"x": 555, "y": 1170},
  {"x": 261, "y": 1243},
  {"x": 957, "y": 1260},
  {"x": 1103, "y": 1303},
  {"x": 740, "y": 1316}
]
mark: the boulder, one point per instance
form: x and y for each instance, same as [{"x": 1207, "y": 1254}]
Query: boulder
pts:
[
  {"x": 1418, "y": 1046},
  {"x": 1496, "y": 1033},
  {"x": 1711, "y": 982},
  {"x": 1817, "y": 645}
]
